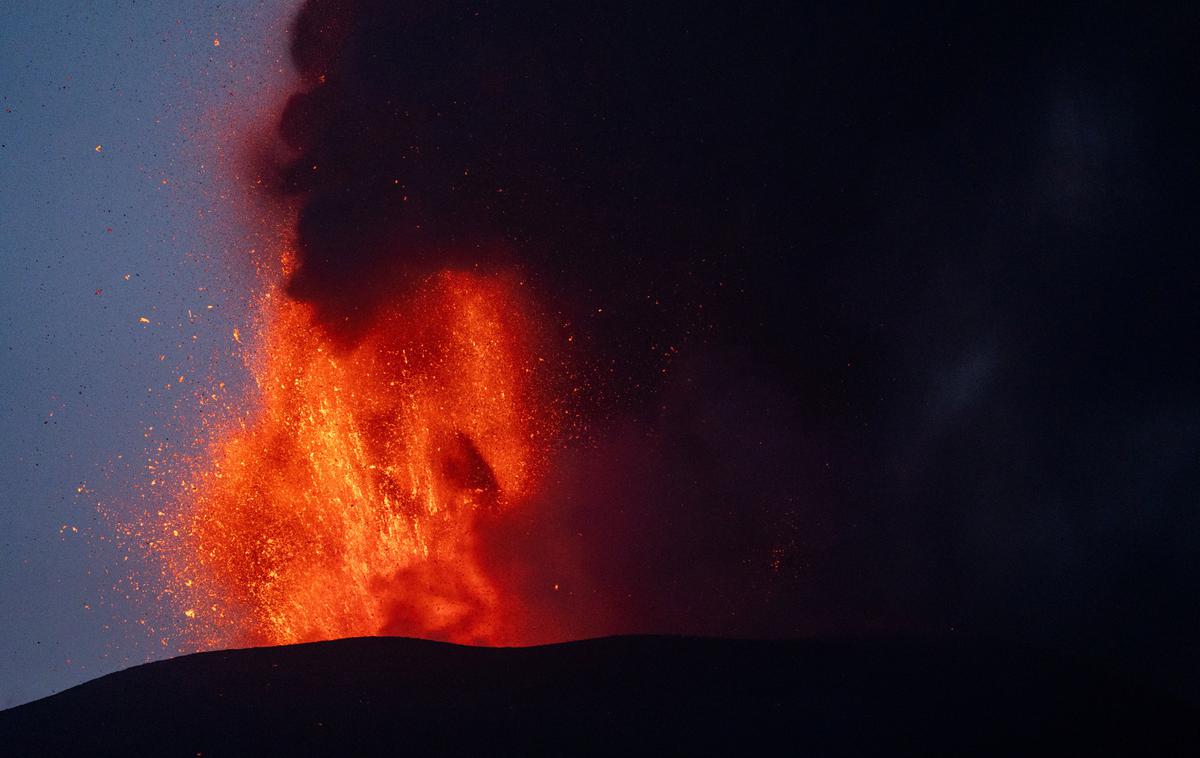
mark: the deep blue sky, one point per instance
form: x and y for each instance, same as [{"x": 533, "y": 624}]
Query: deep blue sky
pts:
[{"x": 80, "y": 377}]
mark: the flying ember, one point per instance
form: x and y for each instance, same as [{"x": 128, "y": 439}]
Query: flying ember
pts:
[{"x": 349, "y": 503}]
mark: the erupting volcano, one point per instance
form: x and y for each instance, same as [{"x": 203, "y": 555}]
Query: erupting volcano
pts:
[
  {"x": 348, "y": 505},
  {"x": 414, "y": 460},
  {"x": 543, "y": 377},
  {"x": 501, "y": 388}
]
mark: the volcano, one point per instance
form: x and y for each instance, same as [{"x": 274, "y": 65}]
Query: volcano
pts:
[
  {"x": 814, "y": 325},
  {"x": 673, "y": 695}
]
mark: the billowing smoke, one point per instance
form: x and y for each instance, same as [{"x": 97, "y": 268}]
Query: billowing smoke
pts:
[{"x": 874, "y": 319}]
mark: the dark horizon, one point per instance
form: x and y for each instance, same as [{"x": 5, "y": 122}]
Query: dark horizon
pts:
[{"x": 638, "y": 694}]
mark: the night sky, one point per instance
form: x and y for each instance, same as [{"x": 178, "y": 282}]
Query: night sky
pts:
[
  {"x": 878, "y": 319},
  {"x": 80, "y": 376}
]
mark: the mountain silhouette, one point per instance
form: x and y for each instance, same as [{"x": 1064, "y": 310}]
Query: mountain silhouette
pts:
[{"x": 668, "y": 695}]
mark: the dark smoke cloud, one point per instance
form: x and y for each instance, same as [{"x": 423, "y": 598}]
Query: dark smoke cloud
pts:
[{"x": 889, "y": 315}]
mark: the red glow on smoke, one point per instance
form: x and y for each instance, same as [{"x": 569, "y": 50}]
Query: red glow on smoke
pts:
[{"x": 348, "y": 503}]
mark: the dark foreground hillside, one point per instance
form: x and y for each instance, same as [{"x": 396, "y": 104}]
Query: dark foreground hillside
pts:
[{"x": 668, "y": 695}]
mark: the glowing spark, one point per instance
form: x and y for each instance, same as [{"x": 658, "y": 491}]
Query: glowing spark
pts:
[{"x": 349, "y": 505}]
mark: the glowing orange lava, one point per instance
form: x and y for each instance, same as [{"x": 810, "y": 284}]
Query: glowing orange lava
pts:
[{"x": 348, "y": 504}]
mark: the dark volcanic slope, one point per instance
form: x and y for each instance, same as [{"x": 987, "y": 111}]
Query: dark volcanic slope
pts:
[{"x": 668, "y": 695}]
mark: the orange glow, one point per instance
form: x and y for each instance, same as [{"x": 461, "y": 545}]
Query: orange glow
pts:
[{"x": 348, "y": 504}]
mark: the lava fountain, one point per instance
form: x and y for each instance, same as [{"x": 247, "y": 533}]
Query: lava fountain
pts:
[{"x": 349, "y": 503}]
